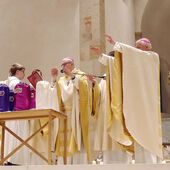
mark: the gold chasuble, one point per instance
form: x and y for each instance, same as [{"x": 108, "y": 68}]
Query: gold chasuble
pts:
[
  {"x": 74, "y": 102},
  {"x": 115, "y": 118},
  {"x": 84, "y": 110}
]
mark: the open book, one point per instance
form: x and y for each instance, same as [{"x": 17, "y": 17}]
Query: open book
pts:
[{"x": 34, "y": 78}]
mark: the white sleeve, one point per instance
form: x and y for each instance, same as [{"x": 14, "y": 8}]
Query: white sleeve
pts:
[
  {"x": 3, "y": 82},
  {"x": 76, "y": 82},
  {"x": 117, "y": 47},
  {"x": 53, "y": 84},
  {"x": 13, "y": 83},
  {"x": 54, "y": 99},
  {"x": 104, "y": 58},
  {"x": 43, "y": 95}
]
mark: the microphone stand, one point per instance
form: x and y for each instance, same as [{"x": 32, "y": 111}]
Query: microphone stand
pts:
[
  {"x": 101, "y": 77},
  {"x": 93, "y": 75}
]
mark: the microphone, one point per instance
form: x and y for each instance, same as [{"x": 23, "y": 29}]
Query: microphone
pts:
[{"x": 61, "y": 71}]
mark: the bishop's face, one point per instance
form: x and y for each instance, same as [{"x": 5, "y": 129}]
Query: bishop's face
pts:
[
  {"x": 142, "y": 47},
  {"x": 68, "y": 67}
]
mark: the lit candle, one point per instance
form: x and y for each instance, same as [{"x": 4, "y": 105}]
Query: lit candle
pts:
[
  {"x": 101, "y": 163},
  {"x": 133, "y": 161},
  {"x": 93, "y": 162}
]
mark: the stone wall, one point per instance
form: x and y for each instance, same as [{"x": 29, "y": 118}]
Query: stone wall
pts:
[
  {"x": 104, "y": 16},
  {"x": 38, "y": 34},
  {"x": 91, "y": 33}
]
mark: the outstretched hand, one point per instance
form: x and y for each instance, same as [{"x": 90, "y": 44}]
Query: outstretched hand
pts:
[
  {"x": 54, "y": 72},
  {"x": 96, "y": 50},
  {"x": 109, "y": 39}
]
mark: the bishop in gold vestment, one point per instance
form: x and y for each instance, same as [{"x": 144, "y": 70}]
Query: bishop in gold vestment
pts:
[{"x": 73, "y": 99}]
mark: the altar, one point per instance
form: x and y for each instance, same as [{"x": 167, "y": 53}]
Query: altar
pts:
[{"x": 28, "y": 115}]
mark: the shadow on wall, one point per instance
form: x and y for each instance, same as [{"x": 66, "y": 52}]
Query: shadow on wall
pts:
[{"x": 156, "y": 26}]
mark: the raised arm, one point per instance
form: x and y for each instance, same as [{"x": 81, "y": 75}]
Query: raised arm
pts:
[
  {"x": 116, "y": 45},
  {"x": 54, "y": 74},
  {"x": 109, "y": 39},
  {"x": 96, "y": 50},
  {"x": 102, "y": 57}
]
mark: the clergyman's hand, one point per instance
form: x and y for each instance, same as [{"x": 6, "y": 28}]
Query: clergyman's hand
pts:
[
  {"x": 109, "y": 39},
  {"x": 96, "y": 50},
  {"x": 54, "y": 74},
  {"x": 91, "y": 78}
]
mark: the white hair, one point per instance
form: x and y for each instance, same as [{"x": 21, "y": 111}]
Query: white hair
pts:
[{"x": 144, "y": 43}]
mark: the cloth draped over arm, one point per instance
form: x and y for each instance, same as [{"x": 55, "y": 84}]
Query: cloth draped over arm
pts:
[{"x": 46, "y": 98}]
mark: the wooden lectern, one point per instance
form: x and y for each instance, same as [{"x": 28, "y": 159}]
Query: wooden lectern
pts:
[{"x": 28, "y": 115}]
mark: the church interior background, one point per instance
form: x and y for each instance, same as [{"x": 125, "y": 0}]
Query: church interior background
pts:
[{"x": 38, "y": 34}]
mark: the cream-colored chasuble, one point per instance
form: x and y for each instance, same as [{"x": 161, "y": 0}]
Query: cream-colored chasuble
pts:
[
  {"x": 141, "y": 97},
  {"x": 74, "y": 101}
]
